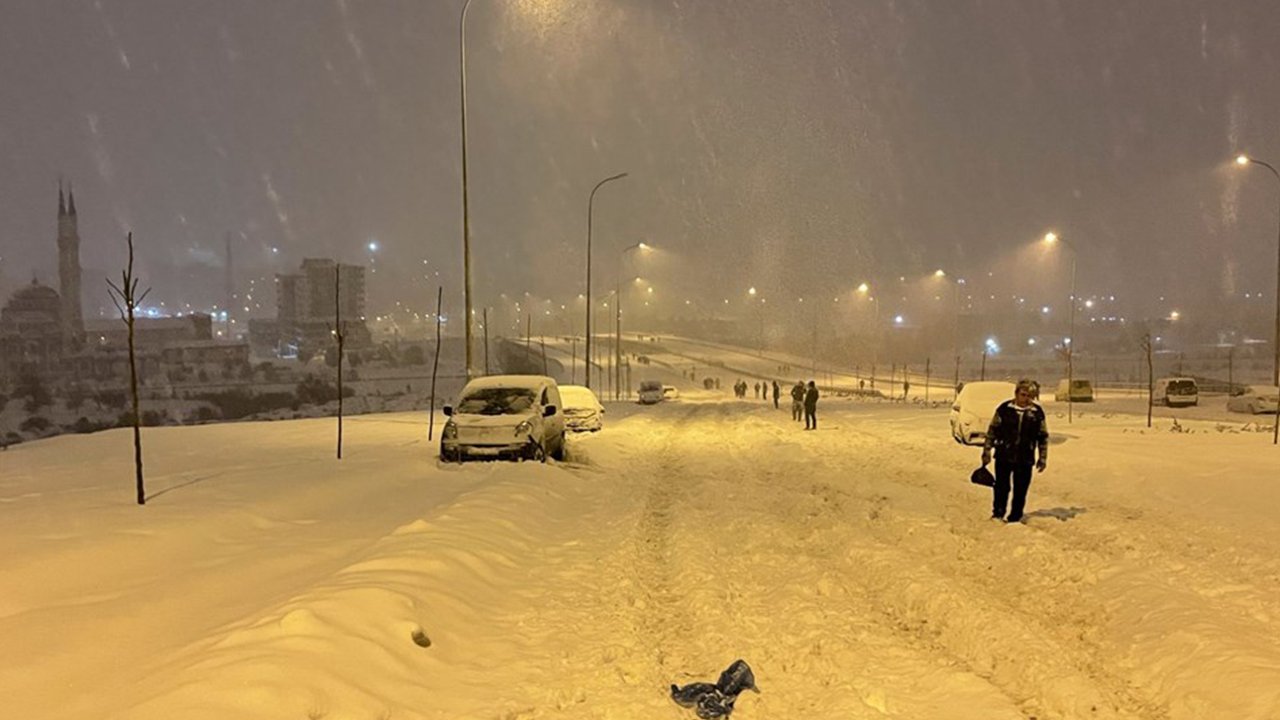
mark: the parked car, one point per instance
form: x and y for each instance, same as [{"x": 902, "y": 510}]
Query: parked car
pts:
[
  {"x": 670, "y": 392},
  {"x": 1176, "y": 392},
  {"x": 1081, "y": 391},
  {"x": 515, "y": 417},
  {"x": 1255, "y": 399},
  {"x": 582, "y": 409},
  {"x": 650, "y": 392},
  {"x": 975, "y": 405}
]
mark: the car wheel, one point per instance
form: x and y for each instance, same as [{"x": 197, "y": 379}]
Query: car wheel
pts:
[
  {"x": 535, "y": 453},
  {"x": 558, "y": 455}
]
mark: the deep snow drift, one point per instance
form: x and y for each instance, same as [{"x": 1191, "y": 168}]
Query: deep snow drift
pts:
[{"x": 854, "y": 568}]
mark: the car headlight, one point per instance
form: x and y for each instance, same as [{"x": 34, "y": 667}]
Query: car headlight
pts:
[
  {"x": 450, "y": 430},
  {"x": 524, "y": 428}
]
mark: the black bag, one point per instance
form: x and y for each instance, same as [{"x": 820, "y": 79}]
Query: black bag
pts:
[{"x": 983, "y": 476}]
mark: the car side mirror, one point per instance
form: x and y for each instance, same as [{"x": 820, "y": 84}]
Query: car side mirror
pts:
[
  {"x": 447, "y": 410},
  {"x": 548, "y": 411}
]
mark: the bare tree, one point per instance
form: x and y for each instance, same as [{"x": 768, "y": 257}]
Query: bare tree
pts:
[
  {"x": 431, "y": 423},
  {"x": 1151, "y": 382},
  {"x": 126, "y": 299},
  {"x": 339, "y": 334}
]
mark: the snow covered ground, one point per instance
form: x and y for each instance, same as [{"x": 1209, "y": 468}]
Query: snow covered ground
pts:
[{"x": 854, "y": 568}]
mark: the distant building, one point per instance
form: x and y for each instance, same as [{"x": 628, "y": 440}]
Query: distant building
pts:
[
  {"x": 151, "y": 331},
  {"x": 31, "y": 333},
  {"x": 42, "y": 331},
  {"x": 306, "y": 307},
  {"x": 39, "y": 326}
]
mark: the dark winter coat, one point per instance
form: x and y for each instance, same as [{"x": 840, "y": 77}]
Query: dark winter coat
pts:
[
  {"x": 1018, "y": 434},
  {"x": 777, "y": 391},
  {"x": 811, "y": 399},
  {"x": 797, "y": 392}
]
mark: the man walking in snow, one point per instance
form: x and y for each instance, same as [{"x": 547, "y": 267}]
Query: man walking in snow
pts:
[
  {"x": 1019, "y": 435},
  {"x": 777, "y": 392},
  {"x": 811, "y": 407},
  {"x": 797, "y": 401}
]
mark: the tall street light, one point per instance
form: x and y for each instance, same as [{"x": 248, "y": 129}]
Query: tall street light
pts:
[
  {"x": 617, "y": 322},
  {"x": 865, "y": 290},
  {"x": 466, "y": 217},
  {"x": 1243, "y": 160},
  {"x": 1054, "y": 239},
  {"x": 590, "y": 214}
]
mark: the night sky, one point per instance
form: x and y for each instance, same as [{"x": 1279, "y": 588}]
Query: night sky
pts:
[{"x": 799, "y": 147}]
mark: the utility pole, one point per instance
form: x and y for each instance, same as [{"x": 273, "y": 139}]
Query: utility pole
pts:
[{"x": 486, "y": 336}]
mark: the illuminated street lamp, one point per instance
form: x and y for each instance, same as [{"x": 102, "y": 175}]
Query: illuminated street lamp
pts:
[
  {"x": 1051, "y": 238},
  {"x": 1243, "y": 160},
  {"x": 590, "y": 214},
  {"x": 617, "y": 323}
]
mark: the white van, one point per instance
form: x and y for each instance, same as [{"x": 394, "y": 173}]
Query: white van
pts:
[{"x": 1176, "y": 392}]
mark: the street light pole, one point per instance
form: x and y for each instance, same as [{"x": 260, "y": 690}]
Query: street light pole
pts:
[
  {"x": 466, "y": 216},
  {"x": 617, "y": 323},
  {"x": 590, "y": 214},
  {"x": 1053, "y": 238},
  {"x": 1275, "y": 372}
]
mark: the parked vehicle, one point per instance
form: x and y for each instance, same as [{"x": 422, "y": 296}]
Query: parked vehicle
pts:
[
  {"x": 582, "y": 409},
  {"x": 1080, "y": 391},
  {"x": 975, "y": 405},
  {"x": 650, "y": 392},
  {"x": 1176, "y": 392},
  {"x": 1255, "y": 399},
  {"x": 515, "y": 417},
  {"x": 670, "y": 392}
]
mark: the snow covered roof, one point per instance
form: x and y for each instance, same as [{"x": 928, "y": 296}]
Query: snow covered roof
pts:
[
  {"x": 529, "y": 382},
  {"x": 578, "y": 396}
]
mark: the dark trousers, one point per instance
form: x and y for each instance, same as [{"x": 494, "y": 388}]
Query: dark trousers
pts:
[
  {"x": 1020, "y": 474},
  {"x": 797, "y": 410},
  {"x": 810, "y": 418}
]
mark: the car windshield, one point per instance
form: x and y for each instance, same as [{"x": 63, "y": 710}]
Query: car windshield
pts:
[
  {"x": 1182, "y": 387},
  {"x": 497, "y": 401}
]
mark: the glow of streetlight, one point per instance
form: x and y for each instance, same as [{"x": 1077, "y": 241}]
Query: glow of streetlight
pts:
[
  {"x": 864, "y": 288},
  {"x": 751, "y": 291},
  {"x": 897, "y": 319},
  {"x": 1051, "y": 238},
  {"x": 939, "y": 273},
  {"x": 373, "y": 246},
  {"x": 1174, "y": 315},
  {"x": 1242, "y": 159},
  {"x": 644, "y": 246}
]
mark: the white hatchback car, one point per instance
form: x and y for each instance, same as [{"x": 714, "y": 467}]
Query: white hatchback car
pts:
[
  {"x": 514, "y": 417},
  {"x": 582, "y": 409},
  {"x": 1255, "y": 399},
  {"x": 975, "y": 405}
]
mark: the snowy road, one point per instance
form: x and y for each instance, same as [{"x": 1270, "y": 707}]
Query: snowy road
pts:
[{"x": 854, "y": 568}]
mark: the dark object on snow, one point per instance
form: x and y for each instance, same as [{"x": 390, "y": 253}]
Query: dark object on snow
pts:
[
  {"x": 716, "y": 701},
  {"x": 983, "y": 476}
]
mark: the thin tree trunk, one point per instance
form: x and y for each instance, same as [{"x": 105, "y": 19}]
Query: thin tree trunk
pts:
[
  {"x": 338, "y": 332},
  {"x": 133, "y": 389},
  {"x": 1151, "y": 381},
  {"x": 431, "y": 424},
  {"x": 486, "y": 337},
  {"x": 126, "y": 299}
]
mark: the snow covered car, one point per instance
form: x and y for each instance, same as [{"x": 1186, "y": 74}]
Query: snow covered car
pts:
[
  {"x": 1080, "y": 391},
  {"x": 975, "y": 405},
  {"x": 1176, "y": 392},
  {"x": 650, "y": 392},
  {"x": 1255, "y": 399},
  {"x": 670, "y": 392},
  {"x": 516, "y": 417},
  {"x": 582, "y": 409}
]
